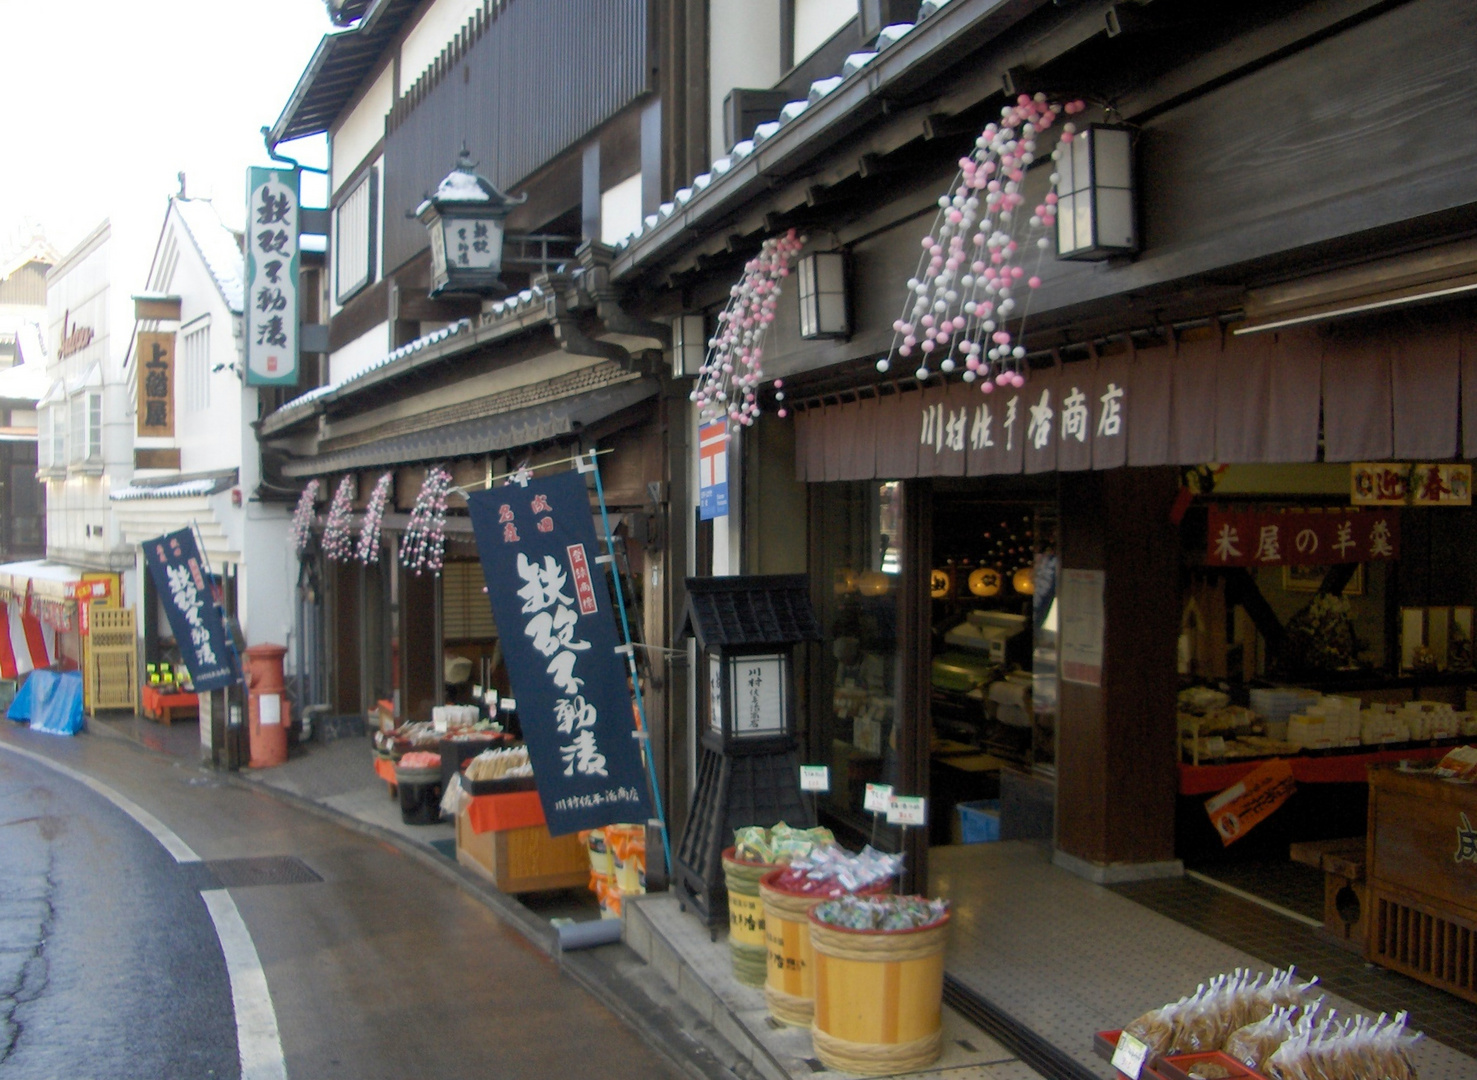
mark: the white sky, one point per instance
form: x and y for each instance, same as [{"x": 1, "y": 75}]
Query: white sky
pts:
[{"x": 106, "y": 100}]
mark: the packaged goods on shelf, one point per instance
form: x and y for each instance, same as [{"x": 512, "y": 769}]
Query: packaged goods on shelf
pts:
[
  {"x": 831, "y": 865},
  {"x": 781, "y": 844},
  {"x": 1205, "y": 1020},
  {"x": 881, "y": 912},
  {"x": 500, "y": 764}
]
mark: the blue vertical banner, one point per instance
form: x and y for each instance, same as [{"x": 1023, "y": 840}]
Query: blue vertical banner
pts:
[
  {"x": 558, "y": 634},
  {"x": 189, "y": 602},
  {"x": 712, "y": 470}
]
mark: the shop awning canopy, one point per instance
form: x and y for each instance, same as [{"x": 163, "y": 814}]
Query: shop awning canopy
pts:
[
  {"x": 505, "y": 431},
  {"x": 47, "y": 580},
  {"x": 1267, "y": 398}
]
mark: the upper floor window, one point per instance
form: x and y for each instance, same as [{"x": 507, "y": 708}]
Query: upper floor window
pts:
[
  {"x": 84, "y": 429},
  {"x": 43, "y": 439},
  {"x": 195, "y": 362},
  {"x": 353, "y": 238},
  {"x": 58, "y": 414}
]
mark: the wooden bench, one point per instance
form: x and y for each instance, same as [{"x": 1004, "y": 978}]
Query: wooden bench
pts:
[{"x": 1345, "y": 902}]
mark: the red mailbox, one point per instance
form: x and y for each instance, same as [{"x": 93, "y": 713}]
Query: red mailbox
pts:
[{"x": 267, "y": 710}]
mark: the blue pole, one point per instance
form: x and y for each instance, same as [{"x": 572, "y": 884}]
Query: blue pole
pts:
[{"x": 645, "y": 730}]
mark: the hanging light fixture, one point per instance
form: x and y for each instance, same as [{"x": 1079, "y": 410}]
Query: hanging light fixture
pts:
[
  {"x": 1095, "y": 198},
  {"x": 822, "y": 287},
  {"x": 465, "y": 221},
  {"x": 689, "y": 346}
]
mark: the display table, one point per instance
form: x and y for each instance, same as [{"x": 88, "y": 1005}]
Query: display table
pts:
[
  {"x": 505, "y": 839},
  {"x": 165, "y": 708},
  {"x": 1325, "y": 768},
  {"x": 1421, "y": 875}
]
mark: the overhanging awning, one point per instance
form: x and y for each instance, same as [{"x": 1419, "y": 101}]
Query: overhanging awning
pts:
[{"x": 486, "y": 435}]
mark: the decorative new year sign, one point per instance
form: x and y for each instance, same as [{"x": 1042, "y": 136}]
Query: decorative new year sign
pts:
[{"x": 1301, "y": 538}]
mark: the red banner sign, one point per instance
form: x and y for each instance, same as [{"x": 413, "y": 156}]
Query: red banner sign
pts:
[
  {"x": 1301, "y": 538},
  {"x": 1245, "y": 804}
]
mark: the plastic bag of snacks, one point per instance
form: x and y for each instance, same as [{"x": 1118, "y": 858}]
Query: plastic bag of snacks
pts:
[
  {"x": 1253, "y": 1044},
  {"x": 782, "y": 844},
  {"x": 420, "y": 759},
  {"x": 829, "y": 868},
  {"x": 1357, "y": 1049},
  {"x": 881, "y": 912},
  {"x": 1205, "y": 1020},
  {"x": 500, "y": 764}
]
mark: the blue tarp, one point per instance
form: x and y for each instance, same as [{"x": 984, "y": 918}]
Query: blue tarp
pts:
[{"x": 50, "y": 701}]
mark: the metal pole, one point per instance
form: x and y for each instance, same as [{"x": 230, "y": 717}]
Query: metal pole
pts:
[{"x": 642, "y": 729}]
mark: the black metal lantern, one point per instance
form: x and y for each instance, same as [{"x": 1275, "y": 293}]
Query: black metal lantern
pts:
[
  {"x": 465, "y": 222},
  {"x": 1095, "y": 208},
  {"x": 749, "y": 774}
]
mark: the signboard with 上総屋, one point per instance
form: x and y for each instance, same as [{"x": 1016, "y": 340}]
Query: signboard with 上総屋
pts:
[
  {"x": 154, "y": 359},
  {"x": 552, "y": 606},
  {"x": 188, "y": 598},
  {"x": 271, "y": 277}
]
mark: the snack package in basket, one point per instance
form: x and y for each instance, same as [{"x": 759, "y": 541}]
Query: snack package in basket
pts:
[
  {"x": 1156, "y": 1028},
  {"x": 1253, "y": 1044}
]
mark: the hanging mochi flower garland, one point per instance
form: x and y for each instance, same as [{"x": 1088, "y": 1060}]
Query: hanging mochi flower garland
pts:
[
  {"x": 302, "y": 518},
  {"x": 971, "y": 279},
  {"x": 338, "y": 545},
  {"x": 424, "y": 543},
  {"x": 729, "y": 379},
  {"x": 368, "y": 550}
]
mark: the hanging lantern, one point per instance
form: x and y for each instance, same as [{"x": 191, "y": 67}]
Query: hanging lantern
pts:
[
  {"x": 845, "y": 581},
  {"x": 874, "y": 583},
  {"x": 940, "y": 583},
  {"x": 1023, "y": 581},
  {"x": 985, "y": 582}
]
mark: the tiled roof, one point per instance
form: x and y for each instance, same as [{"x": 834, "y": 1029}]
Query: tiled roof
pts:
[
  {"x": 218, "y": 248},
  {"x": 769, "y": 609},
  {"x": 194, "y": 486},
  {"x": 819, "y": 89}
]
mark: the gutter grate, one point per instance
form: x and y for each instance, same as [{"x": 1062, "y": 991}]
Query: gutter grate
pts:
[{"x": 266, "y": 870}]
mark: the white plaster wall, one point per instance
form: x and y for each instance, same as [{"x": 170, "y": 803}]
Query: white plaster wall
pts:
[
  {"x": 743, "y": 50},
  {"x": 432, "y": 33},
  {"x": 620, "y": 210},
  {"x": 352, "y": 140},
  {"x": 817, "y": 20},
  {"x": 215, "y": 437},
  {"x": 366, "y": 349}
]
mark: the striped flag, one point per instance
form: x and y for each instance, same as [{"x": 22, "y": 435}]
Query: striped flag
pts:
[{"x": 25, "y": 644}]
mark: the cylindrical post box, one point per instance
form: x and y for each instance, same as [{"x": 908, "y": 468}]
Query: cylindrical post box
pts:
[{"x": 267, "y": 710}]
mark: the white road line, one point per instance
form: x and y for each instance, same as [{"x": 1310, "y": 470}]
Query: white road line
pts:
[
  {"x": 161, "y": 832},
  {"x": 258, "y": 1043},
  {"x": 1295, "y": 916},
  {"x": 257, "y": 1039}
]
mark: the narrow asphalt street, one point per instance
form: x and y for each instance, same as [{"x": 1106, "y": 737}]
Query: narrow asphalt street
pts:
[{"x": 111, "y": 950}]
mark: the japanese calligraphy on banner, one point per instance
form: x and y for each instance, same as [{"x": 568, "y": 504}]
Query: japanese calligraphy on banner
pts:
[
  {"x": 154, "y": 355},
  {"x": 1396, "y": 483},
  {"x": 271, "y": 277},
  {"x": 1301, "y": 538},
  {"x": 178, "y": 571},
  {"x": 552, "y": 608}
]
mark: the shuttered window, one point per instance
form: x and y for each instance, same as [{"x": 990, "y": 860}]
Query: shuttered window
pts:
[
  {"x": 466, "y": 614},
  {"x": 353, "y": 239}
]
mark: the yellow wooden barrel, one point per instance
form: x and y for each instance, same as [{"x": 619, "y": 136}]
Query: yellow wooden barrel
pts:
[
  {"x": 745, "y": 917},
  {"x": 789, "y": 982},
  {"x": 878, "y": 997}
]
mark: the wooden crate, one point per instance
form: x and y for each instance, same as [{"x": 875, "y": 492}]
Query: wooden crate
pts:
[{"x": 523, "y": 860}]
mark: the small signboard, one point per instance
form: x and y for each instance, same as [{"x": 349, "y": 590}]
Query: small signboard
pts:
[
  {"x": 907, "y": 810},
  {"x": 815, "y": 778},
  {"x": 712, "y": 470},
  {"x": 154, "y": 358},
  {"x": 878, "y": 798}
]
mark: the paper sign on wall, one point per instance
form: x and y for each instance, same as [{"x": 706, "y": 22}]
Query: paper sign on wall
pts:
[{"x": 1080, "y": 603}]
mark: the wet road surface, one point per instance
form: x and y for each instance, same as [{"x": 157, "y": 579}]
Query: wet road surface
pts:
[{"x": 110, "y": 965}]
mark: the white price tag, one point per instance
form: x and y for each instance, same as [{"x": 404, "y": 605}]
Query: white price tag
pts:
[
  {"x": 1129, "y": 1056},
  {"x": 907, "y": 810},
  {"x": 815, "y": 778},
  {"x": 878, "y": 798}
]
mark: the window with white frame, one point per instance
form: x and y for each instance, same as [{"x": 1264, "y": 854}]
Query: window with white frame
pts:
[
  {"x": 77, "y": 427},
  {"x": 43, "y": 438},
  {"x": 58, "y": 414},
  {"x": 94, "y": 427},
  {"x": 195, "y": 360},
  {"x": 353, "y": 239},
  {"x": 84, "y": 428}
]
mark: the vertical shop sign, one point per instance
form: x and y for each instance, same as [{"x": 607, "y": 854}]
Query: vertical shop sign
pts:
[
  {"x": 189, "y": 603},
  {"x": 271, "y": 277},
  {"x": 538, "y": 547},
  {"x": 154, "y": 353},
  {"x": 712, "y": 470},
  {"x": 1080, "y": 602}
]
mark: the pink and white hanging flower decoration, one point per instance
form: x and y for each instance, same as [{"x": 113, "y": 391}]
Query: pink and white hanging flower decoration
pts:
[
  {"x": 423, "y": 546},
  {"x": 368, "y": 550},
  {"x": 338, "y": 545},
  {"x": 302, "y": 518},
  {"x": 728, "y": 382},
  {"x": 972, "y": 281}
]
